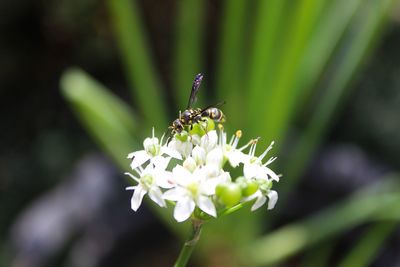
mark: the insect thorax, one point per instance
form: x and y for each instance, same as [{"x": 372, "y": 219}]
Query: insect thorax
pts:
[{"x": 189, "y": 115}]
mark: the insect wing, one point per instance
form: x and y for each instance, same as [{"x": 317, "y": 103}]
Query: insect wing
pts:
[
  {"x": 214, "y": 106},
  {"x": 195, "y": 89}
]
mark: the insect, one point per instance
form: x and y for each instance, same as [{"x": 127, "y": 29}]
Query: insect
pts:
[{"x": 195, "y": 115}]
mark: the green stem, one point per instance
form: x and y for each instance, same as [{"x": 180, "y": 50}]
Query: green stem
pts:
[
  {"x": 237, "y": 207},
  {"x": 189, "y": 245}
]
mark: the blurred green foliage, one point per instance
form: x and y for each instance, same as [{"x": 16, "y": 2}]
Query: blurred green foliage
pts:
[{"x": 273, "y": 58}]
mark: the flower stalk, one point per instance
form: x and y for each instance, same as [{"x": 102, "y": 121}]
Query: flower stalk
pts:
[{"x": 190, "y": 243}]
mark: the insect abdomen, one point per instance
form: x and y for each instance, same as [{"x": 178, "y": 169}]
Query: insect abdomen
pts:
[{"x": 213, "y": 113}]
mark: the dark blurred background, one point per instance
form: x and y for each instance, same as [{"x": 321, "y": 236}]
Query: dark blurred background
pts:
[
  {"x": 54, "y": 214},
  {"x": 46, "y": 156}
]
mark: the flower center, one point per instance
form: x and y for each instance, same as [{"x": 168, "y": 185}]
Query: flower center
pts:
[
  {"x": 153, "y": 149},
  {"x": 264, "y": 185},
  {"x": 254, "y": 160},
  {"x": 147, "y": 180},
  {"x": 193, "y": 188}
]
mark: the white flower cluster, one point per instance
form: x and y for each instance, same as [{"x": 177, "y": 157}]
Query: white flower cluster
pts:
[{"x": 197, "y": 179}]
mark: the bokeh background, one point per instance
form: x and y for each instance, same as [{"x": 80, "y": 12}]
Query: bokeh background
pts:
[{"x": 83, "y": 81}]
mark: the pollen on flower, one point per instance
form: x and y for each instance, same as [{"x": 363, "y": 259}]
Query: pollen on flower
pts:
[
  {"x": 254, "y": 141},
  {"x": 188, "y": 169}
]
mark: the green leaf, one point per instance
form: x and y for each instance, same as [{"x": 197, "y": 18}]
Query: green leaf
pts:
[
  {"x": 357, "y": 41},
  {"x": 319, "y": 255},
  {"x": 189, "y": 46},
  {"x": 326, "y": 36},
  {"x": 231, "y": 59},
  {"x": 269, "y": 19},
  {"x": 361, "y": 207},
  {"x": 277, "y": 106},
  {"x": 146, "y": 87},
  {"x": 369, "y": 245},
  {"x": 104, "y": 116}
]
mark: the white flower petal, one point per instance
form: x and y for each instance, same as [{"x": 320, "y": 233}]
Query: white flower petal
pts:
[
  {"x": 139, "y": 158},
  {"x": 261, "y": 199},
  {"x": 209, "y": 140},
  {"x": 131, "y": 187},
  {"x": 225, "y": 177},
  {"x": 211, "y": 170},
  {"x": 198, "y": 175},
  {"x": 235, "y": 157},
  {"x": 215, "y": 156},
  {"x": 253, "y": 196},
  {"x": 170, "y": 152},
  {"x": 148, "y": 170},
  {"x": 131, "y": 155},
  {"x": 182, "y": 175},
  {"x": 155, "y": 194},
  {"x": 271, "y": 174},
  {"x": 150, "y": 142},
  {"x": 195, "y": 139},
  {"x": 132, "y": 176},
  {"x": 273, "y": 198},
  {"x": 164, "y": 179},
  {"x": 206, "y": 205},
  {"x": 137, "y": 197},
  {"x": 189, "y": 164},
  {"x": 160, "y": 163},
  {"x": 260, "y": 172},
  {"x": 208, "y": 186},
  {"x": 184, "y": 148},
  {"x": 175, "y": 194},
  {"x": 250, "y": 171},
  {"x": 183, "y": 209},
  {"x": 199, "y": 155}
]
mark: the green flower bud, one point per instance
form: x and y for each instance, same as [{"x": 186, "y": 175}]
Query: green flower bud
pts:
[
  {"x": 209, "y": 124},
  {"x": 183, "y": 136},
  {"x": 250, "y": 188},
  {"x": 219, "y": 189},
  {"x": 197, "y": 129},
  {"x": 229, "y": 194}
]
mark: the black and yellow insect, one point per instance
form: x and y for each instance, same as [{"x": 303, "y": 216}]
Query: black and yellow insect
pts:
[{"x": 195, "y": 115}]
